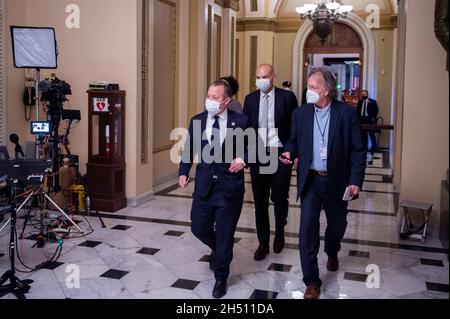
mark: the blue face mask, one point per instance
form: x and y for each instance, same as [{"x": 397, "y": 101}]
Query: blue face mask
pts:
[
  {"x": 263, "y": 84},
  {"x": 212, "y": 107}
]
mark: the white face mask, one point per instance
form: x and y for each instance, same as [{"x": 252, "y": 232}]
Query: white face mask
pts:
[
  {"x": 312, "y": 97},
  {"x": 263, "y": 84},
  {"x": 212, "y": 107}
]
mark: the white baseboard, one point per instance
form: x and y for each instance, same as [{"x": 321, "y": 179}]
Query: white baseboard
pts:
[
  {"x": 140, "y": 200},
  {"x": 165, "y": 179}
]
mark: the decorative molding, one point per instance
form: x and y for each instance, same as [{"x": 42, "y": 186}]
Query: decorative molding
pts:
[
  {"x": 254, "y": 5},
  {"x": 256, "y": 24},
  {"x": 228, "y": 4},
  {"x": 168, "y": 2},
  {"x": 233, "y": 36},
  {"x": 253, "y": 61},
  {"x": 273, "y": 50},
  {"x": 387, "y": 21},
  {"x": 218, "y": 21},
  {"x": 293, "y": 24},
  {"x": 174, "y": 64},
  {"x": 278, "y": 7},
  {"x": 237, "y": 66},
  {"x": 209, "y": 49},
  {"x": 169, "y": 145},
  {"x": 3, "y": 109},
  {"x": 145, "y": 82},
  {"x": 390, "y": 5}
]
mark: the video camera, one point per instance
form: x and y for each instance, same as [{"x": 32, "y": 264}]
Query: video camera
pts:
[{"x": 54, "y": 91}]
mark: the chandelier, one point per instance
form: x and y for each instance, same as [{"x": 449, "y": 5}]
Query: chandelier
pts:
[{"x": 323, "y": 14}]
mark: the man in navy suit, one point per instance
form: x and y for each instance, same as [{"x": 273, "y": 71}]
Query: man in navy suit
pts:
[
  {"x": 368, "y": 109},
  {"x": 219, "y": 180},
  {"x": 270, "y": 113},
  {"x": 326, "y": 136}
]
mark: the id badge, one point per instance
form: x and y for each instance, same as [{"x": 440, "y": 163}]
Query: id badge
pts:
[{"x": 324, "y": 153}]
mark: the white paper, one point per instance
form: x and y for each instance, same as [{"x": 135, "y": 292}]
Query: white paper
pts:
[{"x": 347, "y": 197}]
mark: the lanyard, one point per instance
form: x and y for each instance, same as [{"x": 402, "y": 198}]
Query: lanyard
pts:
[{"x": 322, "y": 133}]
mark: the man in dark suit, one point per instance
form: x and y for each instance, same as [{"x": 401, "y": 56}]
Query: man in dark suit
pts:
[
  {"x": 219, "y": 188},
  {"x": 270, "y": 113},
  {"x": 326, "y": 136},
  {"x": 368, "y": 110}
]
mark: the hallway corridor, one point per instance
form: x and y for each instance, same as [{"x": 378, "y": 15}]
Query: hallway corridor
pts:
[{"x": 149, "y": 252}]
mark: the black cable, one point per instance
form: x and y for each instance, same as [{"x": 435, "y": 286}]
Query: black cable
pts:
[
  {"x": 33, "y": 222},
  {"x": 57, "y": 254},
  {"x": 18, "y": 256}
]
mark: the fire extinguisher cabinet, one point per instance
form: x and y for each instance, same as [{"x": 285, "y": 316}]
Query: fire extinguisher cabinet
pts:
[{"x": 106, "y": 163}]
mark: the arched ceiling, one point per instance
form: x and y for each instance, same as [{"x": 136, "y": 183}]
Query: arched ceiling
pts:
[{"x": 286, "y": 8}]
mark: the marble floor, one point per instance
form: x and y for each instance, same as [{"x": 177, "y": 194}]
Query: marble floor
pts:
[{"x": 149, "y": 253}]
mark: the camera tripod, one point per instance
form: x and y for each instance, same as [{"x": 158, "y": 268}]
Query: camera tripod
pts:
[
  {"x": 16, "y": 286},
  {"x": 33, "y": 194}
]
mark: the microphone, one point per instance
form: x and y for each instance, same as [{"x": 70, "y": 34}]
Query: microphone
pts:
[{"x": 15, "y": 140}]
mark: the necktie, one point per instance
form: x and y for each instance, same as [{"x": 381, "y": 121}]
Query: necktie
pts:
[
  {"x": 215, "y": 135},
  {"x": 364, "y": 112},
  {"x": 265, "y": 118}
]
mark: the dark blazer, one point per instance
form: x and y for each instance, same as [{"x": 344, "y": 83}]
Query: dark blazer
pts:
[
  {"x": 372, "y": 111},
  {"x": 346, "y": 149},
  {"x": 231, "y": 184},
  {"x": 285, "y": 104}
]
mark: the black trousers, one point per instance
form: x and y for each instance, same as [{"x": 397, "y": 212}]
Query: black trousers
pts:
[
  {"x": 371, "y": 134},
  {"x": 315, "y": 197},
  {"x": 373, "y": 139},
  {"x": 274, "y": 187},
  {"x": 224, "y": 213}
]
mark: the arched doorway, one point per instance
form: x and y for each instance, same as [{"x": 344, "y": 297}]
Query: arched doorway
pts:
[
  {"x": 343, "y": 54},
  {"x": 368, "y": 67}
]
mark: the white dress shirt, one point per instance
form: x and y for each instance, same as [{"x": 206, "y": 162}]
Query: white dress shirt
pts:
[{"x": 274, "y": 141}]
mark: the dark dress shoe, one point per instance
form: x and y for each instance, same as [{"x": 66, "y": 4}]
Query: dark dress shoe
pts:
[
  {"x": 312, "y": 292},
  {"x": 220, "y": 289},
  {"x": 332, "y": 264},
  {"x": 261, "y": 253},
  {"x": 212, "y": 260},
  {"x": 278, "y": 245}
]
